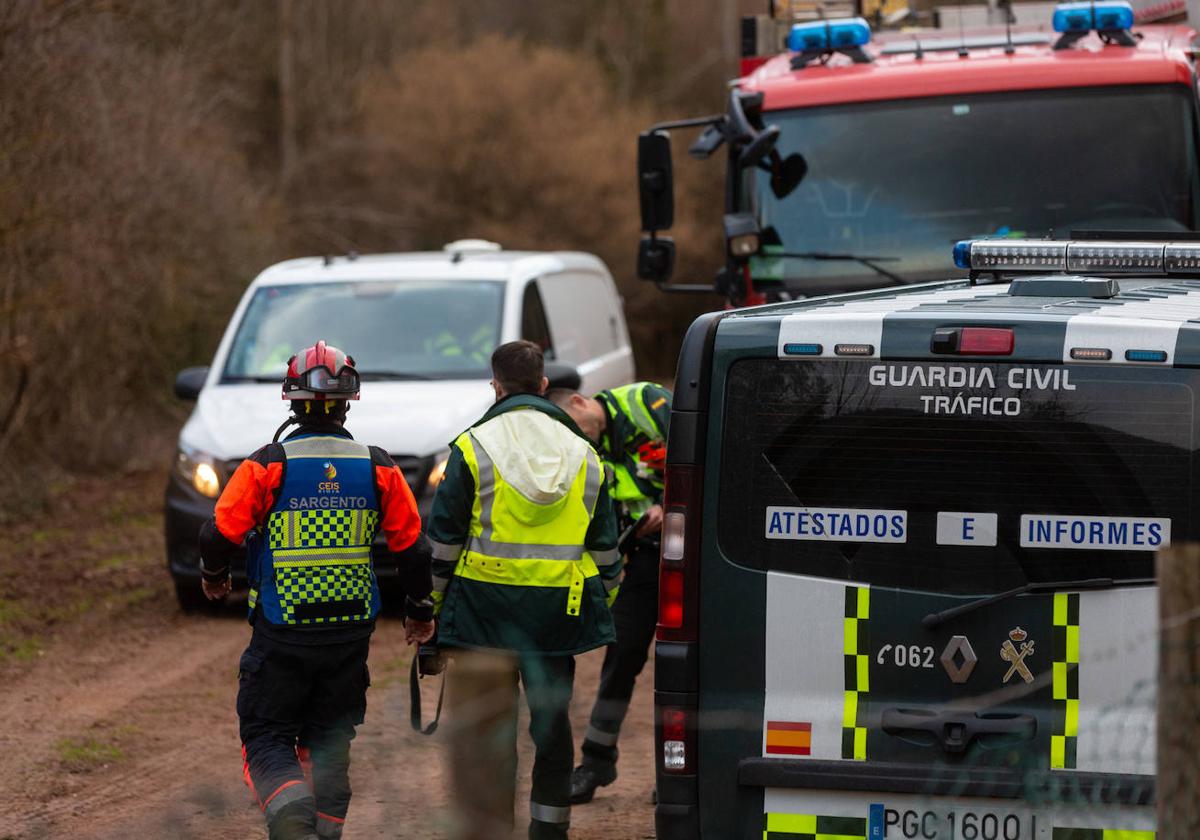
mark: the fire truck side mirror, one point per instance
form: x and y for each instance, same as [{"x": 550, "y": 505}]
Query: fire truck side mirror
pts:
[
  {"x": 656, "y": 189},
  {"x": 656, "y": 258}
]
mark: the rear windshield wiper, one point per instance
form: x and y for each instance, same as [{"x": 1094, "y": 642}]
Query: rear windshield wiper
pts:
[
  {"x": 934, "y": 619},
  {"x": 390, "y": 375},
  {"x": 869, "y": 262}
]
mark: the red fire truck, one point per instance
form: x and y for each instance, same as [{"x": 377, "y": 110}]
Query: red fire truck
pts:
[{"x": 855, "y": 158}]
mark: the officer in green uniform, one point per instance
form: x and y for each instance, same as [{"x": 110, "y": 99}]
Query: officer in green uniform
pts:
[
  {"x": 629, "y": 426},
  {"x": 525, "y": 564}
]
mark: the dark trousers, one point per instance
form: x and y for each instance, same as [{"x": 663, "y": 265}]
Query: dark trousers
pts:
[
  {"x": 298, "y": 706},
  {"x": 635, "y": 614},
  {"x": 482, "y": 698}
]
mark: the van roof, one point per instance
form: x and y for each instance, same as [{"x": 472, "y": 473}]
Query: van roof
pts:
[
  {"x": 1146, "y": 315},
  {"x": 428, "y": 265},
  {"x": 1162, "y": 56}
]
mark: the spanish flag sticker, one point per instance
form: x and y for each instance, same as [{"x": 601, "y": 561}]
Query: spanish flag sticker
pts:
[{"x": 788, "y": 738}]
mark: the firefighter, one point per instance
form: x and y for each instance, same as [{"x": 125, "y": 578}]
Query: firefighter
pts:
[
  {"x": 629, "y": 427},
  {"x": 525, "y": 565},
  {"x": 309, "y": 509}
]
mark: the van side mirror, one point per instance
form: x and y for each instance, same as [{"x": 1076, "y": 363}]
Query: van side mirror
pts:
[
  {"x": 656, "y": 188},
  {"x": 189, "y": 381},
  {"x": 656, "y": 258},
  {"x": 562, "y": 375}
]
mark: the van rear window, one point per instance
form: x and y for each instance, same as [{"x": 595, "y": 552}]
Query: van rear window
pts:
[{"x": 960, "y": 478}]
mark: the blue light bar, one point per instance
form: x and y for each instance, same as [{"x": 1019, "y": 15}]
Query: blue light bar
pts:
[
  {"x": 822, "y": 35},
  {"x": 1146, "y": 355},
  {"x": 1087, "y": 257},
  {"x": 802, "y": 349},
  {"x": 962, "y": 253},
  {"x": 1106, "y": 16}
]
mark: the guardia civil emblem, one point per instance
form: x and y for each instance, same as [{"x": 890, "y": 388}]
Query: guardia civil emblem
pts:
[{"x": 1016, "y": 658}]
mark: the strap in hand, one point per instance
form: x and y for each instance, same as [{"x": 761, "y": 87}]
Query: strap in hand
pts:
[{"x": 414, "y": 697}]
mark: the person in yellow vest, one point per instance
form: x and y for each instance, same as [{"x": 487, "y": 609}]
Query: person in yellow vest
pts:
[
  {"x": 525, "y": 566},
  {"x": 629, "y": 427}
]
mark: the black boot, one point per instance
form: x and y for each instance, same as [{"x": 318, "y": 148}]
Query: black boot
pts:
[
  {"x": 587, "y": 777},
  {"x": 294, "y": 821}
]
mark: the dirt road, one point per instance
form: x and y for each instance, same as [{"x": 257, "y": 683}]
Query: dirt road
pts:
[{"x": 118, "y": 710}]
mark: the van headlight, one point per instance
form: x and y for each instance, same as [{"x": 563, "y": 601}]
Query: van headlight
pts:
[{"x": 199, "y": 470}]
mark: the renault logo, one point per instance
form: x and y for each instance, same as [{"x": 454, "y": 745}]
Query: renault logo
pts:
[{"x": 959, "y": 659}]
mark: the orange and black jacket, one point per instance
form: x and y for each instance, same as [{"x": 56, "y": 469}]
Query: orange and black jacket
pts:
[{"x": 251, "y": 493}]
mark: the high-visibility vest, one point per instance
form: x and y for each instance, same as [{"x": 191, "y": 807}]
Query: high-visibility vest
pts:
[
  {"x": 312, "y": 566},
  {"x": 629, "y": 479},
  {"x": 523, "y": 578}
]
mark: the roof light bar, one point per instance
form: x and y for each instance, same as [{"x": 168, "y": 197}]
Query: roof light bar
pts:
[
  {"x": 829, "y": 35},
  {"x": 1108, "y": 16},
  {"x": 1033, "y": 255}
]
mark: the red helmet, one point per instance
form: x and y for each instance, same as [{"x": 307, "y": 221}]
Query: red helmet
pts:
[{"x": 321, "y": 372}]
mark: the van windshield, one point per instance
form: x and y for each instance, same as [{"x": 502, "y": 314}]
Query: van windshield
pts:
[
  {"x": 958, "y": 478},
  {"x": 393, "y": 329},
  {"x": 903, "y": 180}
]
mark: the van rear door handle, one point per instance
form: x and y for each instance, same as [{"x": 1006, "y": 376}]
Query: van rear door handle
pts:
[{"x": 956, "y": 730}]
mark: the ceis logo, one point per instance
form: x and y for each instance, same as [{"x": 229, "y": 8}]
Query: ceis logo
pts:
[{"x": 329, "y": 485}]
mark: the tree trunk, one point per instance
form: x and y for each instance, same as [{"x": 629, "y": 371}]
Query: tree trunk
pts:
[{"x": 1179, "y": 693}]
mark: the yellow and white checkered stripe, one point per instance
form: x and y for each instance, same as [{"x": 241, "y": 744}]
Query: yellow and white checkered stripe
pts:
[
  {"x": 1101, "y": 834},
  {"x": 856, "y": 650},
  {"x": 1063, "y": 738}
]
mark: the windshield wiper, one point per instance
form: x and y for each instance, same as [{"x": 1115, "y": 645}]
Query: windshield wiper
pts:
[
  {"x": 869, "y": 262},
  {"x": 263, "y": 379},
  {"x": 934, "y": 619},
  {"x": 389, "y": 376}
]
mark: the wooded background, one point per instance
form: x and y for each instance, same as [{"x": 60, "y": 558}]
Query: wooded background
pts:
[{"x": 154, "y": 156}]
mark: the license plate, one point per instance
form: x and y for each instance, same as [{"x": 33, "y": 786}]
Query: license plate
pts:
[{"x": 954, "y": 824}]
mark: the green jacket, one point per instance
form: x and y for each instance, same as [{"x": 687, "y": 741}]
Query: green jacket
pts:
[
  {"x": 637, "y": 414},
  {"x": 524, "y": 535}
]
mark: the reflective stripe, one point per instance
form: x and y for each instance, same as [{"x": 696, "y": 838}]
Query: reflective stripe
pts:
[
  {"x": 525, "y": 551},
  {"x": 641, "y": 418},
  {"x": 487, "y": 487},
  {"x": 525, "y": 572},
  {"x": 253, "y": 597},
  {"x": 325, "y": 447},
  {"x": 591, "y": 485},
  {"x": 285, "y": 794},
  {"x": 329, "y": 827},
  {"x": 446, "y": 551},
  {"x": 316, "y": 562},
  {"x": 606, "y": 557},
  {"x": 599, "y": 736},
  {"x": 440, "y": 583},
  {"x": 612, "y": 583},
  {"x": 549, "y": 813}
]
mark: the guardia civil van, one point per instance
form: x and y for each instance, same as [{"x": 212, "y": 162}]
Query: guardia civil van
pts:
[{"x": 908, "y": 558}]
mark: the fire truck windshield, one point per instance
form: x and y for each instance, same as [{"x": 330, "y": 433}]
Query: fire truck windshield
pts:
[{"x": 900, "y": 181}]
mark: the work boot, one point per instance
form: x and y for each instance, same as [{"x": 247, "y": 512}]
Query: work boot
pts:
[
  {"x": 587, "y": 777},
  {"x": 294, "y": 821}
]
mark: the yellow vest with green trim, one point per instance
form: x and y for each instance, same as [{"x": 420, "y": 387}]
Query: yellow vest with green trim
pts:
[
  {"x": 524, "y": 580},
  {"x": 625, "y": 488}
]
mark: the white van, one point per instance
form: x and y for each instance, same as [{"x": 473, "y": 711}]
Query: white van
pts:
[{"x": 421, "y": 328}]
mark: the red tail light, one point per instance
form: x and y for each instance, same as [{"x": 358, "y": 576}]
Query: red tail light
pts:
[
  {"x": 678, "y": 584},
  {"x": 670, "y": 598},
  {"x": 678, "y": 745},
  {"x": 985, "y": 341}
]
